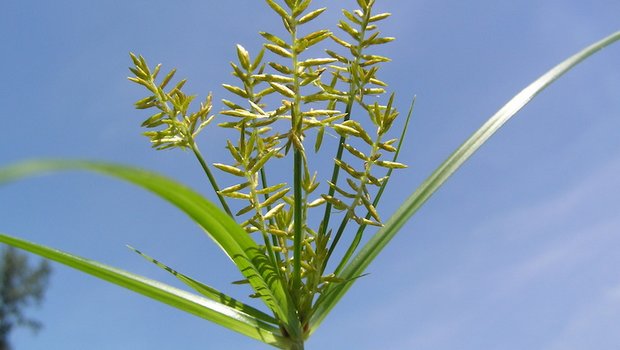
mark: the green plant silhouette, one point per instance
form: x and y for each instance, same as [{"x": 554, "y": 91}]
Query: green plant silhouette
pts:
[{"x": 283, "y": 235}]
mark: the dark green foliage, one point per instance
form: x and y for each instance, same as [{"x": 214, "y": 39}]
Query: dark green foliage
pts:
[{"x": 21, "y": 286}]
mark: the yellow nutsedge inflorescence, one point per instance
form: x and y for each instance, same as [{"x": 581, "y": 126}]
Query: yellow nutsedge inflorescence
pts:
[{"x": 281, "y": 97}]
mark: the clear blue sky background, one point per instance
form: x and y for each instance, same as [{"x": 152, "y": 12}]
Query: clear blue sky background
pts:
[{"x": 518, "y": 251}]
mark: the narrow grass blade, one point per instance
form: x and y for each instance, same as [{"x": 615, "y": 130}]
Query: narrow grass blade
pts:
[
  {"x": 208, "y": 309},
  {"x": 211, "y": 292},
  {"x": 229, "y": 236},
  {"x": 372, "y": 248}
]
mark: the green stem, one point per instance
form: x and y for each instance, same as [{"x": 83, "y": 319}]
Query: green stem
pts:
[
  {"x": 336, "y": 170},
  {"x": 207, "y": 171},
  {"x": 356, "y": 201},
  {"x": 299, "y": 345},
  {"x": 274, "y": 239},
  {"x": 341, "y": 228},
  {"x": 298, "y": 227},
  {"x": 360, "y": 231},
  {"x": 253, "y": 180},
  {"x": 263, "y": 177},
  {"x": 350, "y": 101},
  {"x": 296, "y": 127}
]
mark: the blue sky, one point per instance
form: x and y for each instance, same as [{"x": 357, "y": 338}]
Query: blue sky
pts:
[{"x": 517, "y": 251}]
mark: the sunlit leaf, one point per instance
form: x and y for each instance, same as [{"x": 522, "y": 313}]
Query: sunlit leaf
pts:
[
  {"x": 216, "y": 312},
  {"x": 373, "y": 247}
]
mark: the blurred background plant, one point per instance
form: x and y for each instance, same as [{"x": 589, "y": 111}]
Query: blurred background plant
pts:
[{"x": 21, "y": 287}]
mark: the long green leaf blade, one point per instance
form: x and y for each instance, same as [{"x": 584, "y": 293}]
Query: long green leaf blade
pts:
[
  {"x": 224, "y": 231},
  {"x": 180, "y": 299},
  {"x": 209, "y": 291},
  {"x": 372, "y": 248}
]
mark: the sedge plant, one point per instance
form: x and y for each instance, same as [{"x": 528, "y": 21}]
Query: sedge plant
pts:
[{"x": 298, "y": 241}]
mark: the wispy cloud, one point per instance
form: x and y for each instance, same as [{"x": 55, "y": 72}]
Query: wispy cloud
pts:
[
  {"x": 560, "y": 256},
  {"x": 593, "y": 326},
  {"x": 558, "y": 249}
]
